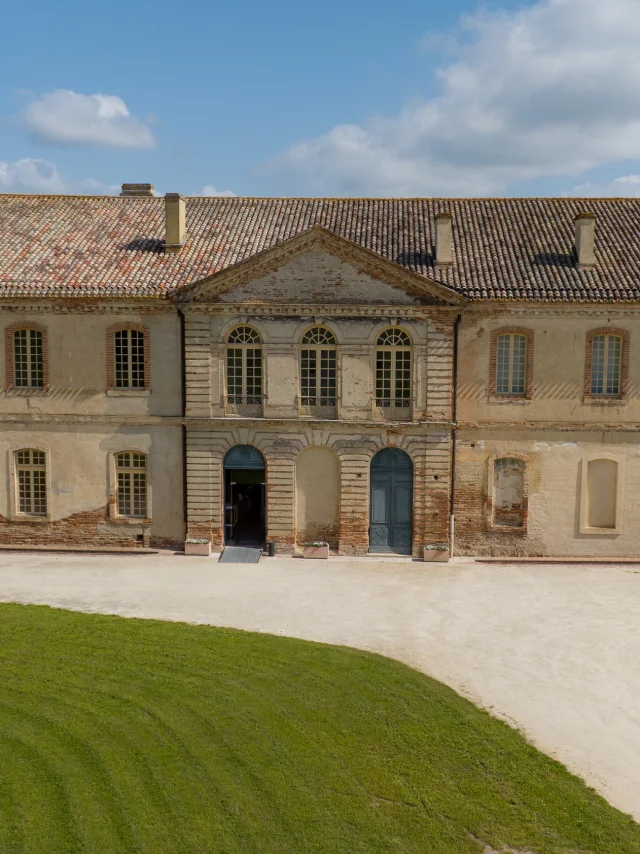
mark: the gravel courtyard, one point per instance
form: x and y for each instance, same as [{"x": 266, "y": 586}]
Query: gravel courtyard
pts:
[{"x": 554, "y": 650}]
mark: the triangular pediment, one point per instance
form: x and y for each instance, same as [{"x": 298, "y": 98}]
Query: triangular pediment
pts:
[{"x": 318, "y": 267}]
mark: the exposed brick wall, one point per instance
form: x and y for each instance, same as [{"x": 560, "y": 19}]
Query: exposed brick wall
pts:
[
  {"x": 475, "y": 531},
  {"x": 89, "y": 528}
]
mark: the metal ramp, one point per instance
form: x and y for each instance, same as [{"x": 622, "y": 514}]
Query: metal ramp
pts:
[{"x": 240, "y": 554}]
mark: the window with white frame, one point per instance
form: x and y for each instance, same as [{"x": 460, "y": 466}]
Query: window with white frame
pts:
[
  {"x": 393, "y": 369},
  {"x": 28, "y": 361},
  {"x": 318, "y": 368},
  {"x": 244, "y": 366},
  {"x": 129, "y": 358},
  {"x": 131, "y": 484},
  {"x": 606, "y": 365},
  {"x": 31, "y": 482},
  {"x": 511, "y": 364}
]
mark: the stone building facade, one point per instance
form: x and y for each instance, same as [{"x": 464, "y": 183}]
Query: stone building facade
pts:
[{"x": 377, "y": 374}]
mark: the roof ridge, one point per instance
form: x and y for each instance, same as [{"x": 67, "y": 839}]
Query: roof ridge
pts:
[{"x": 585, "y": 199}]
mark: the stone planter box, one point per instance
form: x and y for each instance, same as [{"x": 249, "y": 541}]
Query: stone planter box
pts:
[
  {"x": 316, "y": 552},
  {"x": 197, "y": 549},
  {"x": 432, "y": 555}
]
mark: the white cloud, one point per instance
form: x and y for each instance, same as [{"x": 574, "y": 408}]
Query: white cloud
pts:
[
  {"x": 210, "y": 190},
  {"x": 32, "y": 175},
  {"x": 70, "y": 118},
  {"x": 627, "y": 185},
  {"x": 552, "y": 89}
]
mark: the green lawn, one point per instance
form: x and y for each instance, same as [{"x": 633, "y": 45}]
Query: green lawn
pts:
[{"x": 137, "y": 736}]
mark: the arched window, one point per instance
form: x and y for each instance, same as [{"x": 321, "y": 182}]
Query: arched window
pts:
[
  {"x": 31, "y": 482},
  {"x": 393, "y": 372},
  {"x": 318, "y": 368},
  {"x": 128, "y": 357},
  {"x": 131, "y": 484},
  {"x": 244, "y": 367}
]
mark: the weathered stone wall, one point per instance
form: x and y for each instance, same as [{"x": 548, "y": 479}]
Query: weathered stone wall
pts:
[
  {"x": 554, "y": 432},
  {"x": 554, "y": 493},
  {"x": 318, "y": 277},
  {"x": 281, "y": 445},
  {"x": 81, "y": 484},
  {"x": 80, "y": 424},
  {"x": 77, "y": 365},
  {"x": 317, "y": 496}
]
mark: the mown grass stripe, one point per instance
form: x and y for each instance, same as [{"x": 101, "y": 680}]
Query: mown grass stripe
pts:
[{"x": 143, "y": 736}]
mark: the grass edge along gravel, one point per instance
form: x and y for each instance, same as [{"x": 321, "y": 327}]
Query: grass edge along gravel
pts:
[{"x": 129, "y": 735}]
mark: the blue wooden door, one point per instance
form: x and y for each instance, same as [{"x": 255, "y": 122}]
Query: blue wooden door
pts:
[{"x": 391, "y": 506}]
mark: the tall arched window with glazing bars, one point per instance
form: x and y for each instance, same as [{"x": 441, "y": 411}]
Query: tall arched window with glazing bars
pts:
[
  {"x": 393, "y": 374},
  {"x": 318, "y": 386},
  {"x": 244, "y": 370}
]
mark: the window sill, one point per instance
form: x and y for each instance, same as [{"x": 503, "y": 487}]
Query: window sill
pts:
[
  {"x": 517, "y": 399},
  {"x": 129, "y": 520},
  {"x": 610, "y": 532},
  {"x": 128, "y": 392},
  {"x": 605, "y": 401}
]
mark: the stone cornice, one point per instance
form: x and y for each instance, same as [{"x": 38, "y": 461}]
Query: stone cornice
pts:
[
  {"x": 551, "y": 426},
  {"x": 545, "y": 309},
  {"x": 108, "y": 307},
  {"x": 109, "y": 421},
  {"x": 297, "y": 310},
  {"x": 290, "y": 424}
]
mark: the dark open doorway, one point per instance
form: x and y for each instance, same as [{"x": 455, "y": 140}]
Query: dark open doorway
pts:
[{"x": 244, "y": 497}]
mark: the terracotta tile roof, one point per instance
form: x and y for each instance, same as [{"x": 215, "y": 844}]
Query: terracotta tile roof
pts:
[{"x": 84, "y": 246}]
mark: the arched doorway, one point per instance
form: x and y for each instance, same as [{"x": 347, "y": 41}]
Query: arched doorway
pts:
[
  {"x": 244, "y": 497},
  {"x": 391, "y": 502},
  {"x": 317, "y": 496}
]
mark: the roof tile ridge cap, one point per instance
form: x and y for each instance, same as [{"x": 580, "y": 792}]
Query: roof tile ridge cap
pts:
[
  {"x": 77, "y": 196},
  {"x": 380, "y": 198}
]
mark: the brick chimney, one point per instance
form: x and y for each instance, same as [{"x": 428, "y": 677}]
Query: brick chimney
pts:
[
  {"x": 174, "y": 218},
  {"x": 137, "y": 190},
  {"x": 585, "y": 239},
  {"x": 444, "y": 252}
]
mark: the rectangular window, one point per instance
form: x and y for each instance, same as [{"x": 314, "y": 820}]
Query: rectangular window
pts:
[
  {"x": 393, "y": 378},
  {"x": 254, "y": 375},
  {"x": 511, "y": 357},
  {"x": 606, "y": 361},
  {"x": 318, "y": 377},
  {"x": 244, "y": 375},
  {"x": 129, "y": 358},
  {"x": 131, "y": 477},
  {"x": 32, "y": 482},
  {"x": 27, "y": 358},
  {"x": 383, "y": 377}
]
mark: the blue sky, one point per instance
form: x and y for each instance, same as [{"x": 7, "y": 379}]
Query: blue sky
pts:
[{"x": 331, "y": 98}]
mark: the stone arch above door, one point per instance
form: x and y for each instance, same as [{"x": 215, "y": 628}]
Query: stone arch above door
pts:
[{"x": 243, "y": 457}]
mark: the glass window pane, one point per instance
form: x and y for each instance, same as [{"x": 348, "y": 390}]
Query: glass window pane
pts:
[
  {"x": 20, "y": 360},
  {"x": 598, "y": 350}
]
